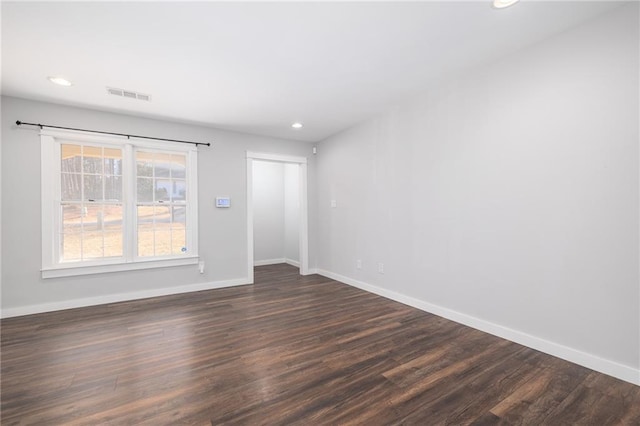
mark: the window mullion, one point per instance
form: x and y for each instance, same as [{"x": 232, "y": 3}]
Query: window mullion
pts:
[
  {"x": 129, "y": 203},
  {"x": 83, "y": 200}
]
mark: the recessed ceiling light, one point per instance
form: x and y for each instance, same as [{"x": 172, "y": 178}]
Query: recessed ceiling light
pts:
[
  {"x": 297, "y": 125},
  {"x": 60, "y": 80},
  {"x": 501, "y": 4}
]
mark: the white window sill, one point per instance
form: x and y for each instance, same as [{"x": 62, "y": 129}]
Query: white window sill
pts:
[{"x": 69, "y": 271}]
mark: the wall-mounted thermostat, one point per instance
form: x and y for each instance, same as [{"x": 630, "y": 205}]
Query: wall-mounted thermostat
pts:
[{"x": 223, "y": 202}]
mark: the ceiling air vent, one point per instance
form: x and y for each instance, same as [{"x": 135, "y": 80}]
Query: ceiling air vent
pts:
[
  {"x": 112, "y": 91},
  {"x": 128, "y": 94}
]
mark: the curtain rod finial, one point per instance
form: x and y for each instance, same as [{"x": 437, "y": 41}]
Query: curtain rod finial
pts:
[{"x": 18, "y": 122}]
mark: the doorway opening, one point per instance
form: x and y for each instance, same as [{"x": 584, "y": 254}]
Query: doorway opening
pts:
[{"x": 277, "y": 229}]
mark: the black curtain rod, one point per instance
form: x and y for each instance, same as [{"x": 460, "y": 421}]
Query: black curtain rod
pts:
[{"x": 22, "y": 123}]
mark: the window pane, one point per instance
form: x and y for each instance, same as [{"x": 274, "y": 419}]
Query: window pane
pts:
[
  {"x": 145, "y": 243},
  {"x": 162, "y": 163},
  {"x": 113, "y": 188},
  {"x": 92, "y": 227},
  {"x": 71, "y": 237},
  {"x": 144, "y": 163},
  {"x": 70, "y": 250},
  {"x": 178, "y": 166},
  {"x": 92, "y": 187},
  {"x": 92, "y": 159},
  {"x": 154, "y": 231},
  {"x": 163, "y": 240},
  {"x": 163, "y": 230},
  {"x": 93, "y": 217},
  {"x": 71, "y": 157},
  {"x": 178, "y": 241},
  {"x": 163, "y": 216},
  {"x": 92, "y": 245},
  {"x": 145, "y": 190},
  {"x": 179, "y": 190},
  {"x": 178, "y": 230},
  {"x": 71, "y": 187},
  {"x": 145, "y": 231},
  {"x": 112, "y": 161},
  {"x": 178, "y": 217},
  {"x": 163, "y": 189},
  {"x": 113, "y": 231}
]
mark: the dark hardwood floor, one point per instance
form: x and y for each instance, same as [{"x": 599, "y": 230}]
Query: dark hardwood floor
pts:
[{"x": 288, "y": 350}]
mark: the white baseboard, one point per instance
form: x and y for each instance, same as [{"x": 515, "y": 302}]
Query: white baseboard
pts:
[
  {"x": 269, "y": 262},
  {"x": 120, "y": 297},
  {"x": 276, "y": 262},
  {"x": 611, "y": 368},
  {"x": 292, "y": 262}
]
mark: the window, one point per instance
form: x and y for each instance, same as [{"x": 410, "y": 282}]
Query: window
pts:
[
  {"x": 90, "y": 201},
  {"x": 161, "y": 203},
  {"x": 112, "y": 204}
]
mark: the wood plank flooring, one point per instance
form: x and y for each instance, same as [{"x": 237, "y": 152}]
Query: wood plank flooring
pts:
[{"x": 289, "y": 350}]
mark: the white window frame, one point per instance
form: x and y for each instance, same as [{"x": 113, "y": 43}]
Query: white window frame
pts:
[{"x": 51, "y": 141}]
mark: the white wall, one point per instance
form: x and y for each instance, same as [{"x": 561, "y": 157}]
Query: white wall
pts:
[
  {"x": 506, "y": 198},
  {"x": 276, "y": 211},
  {"x": 292, "y": 212},
  {"x": 222, "y": 232},
  {"x": 268, "y": 212}
]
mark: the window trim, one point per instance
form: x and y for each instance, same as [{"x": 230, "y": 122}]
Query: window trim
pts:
[
  {"x": 51, "y": 141},
  {"x": 57, "y": 272}
]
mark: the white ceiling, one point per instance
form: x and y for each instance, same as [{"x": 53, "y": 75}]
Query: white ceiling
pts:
[{"x": 258, "y": 67}]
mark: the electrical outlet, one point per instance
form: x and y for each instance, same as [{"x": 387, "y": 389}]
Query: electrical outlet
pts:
[
  {"x": 381, "y": 267},
  {"x": 334, "y": 204},
  {"x": 359, "y": 264},
  {"x": 201, "y": 266}
]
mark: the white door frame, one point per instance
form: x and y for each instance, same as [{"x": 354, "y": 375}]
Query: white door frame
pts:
[{"x": 304, "y": 230}]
